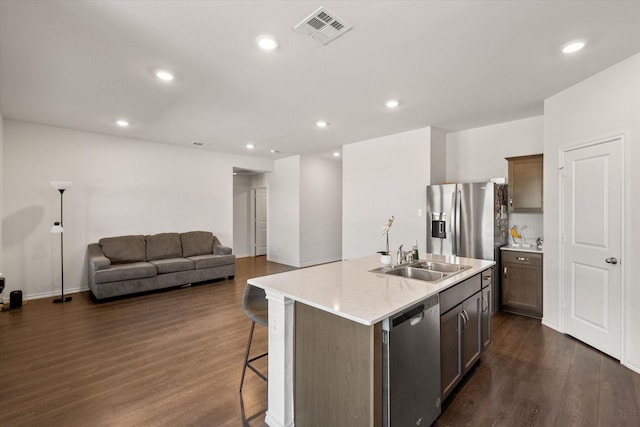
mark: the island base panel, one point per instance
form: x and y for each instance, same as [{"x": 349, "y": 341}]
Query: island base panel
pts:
[{"x": 338, "y": 370}]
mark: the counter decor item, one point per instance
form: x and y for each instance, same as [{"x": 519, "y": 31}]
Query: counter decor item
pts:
[
  {"x": 515, "y": 234},
  {"x": 385, "y": 257}
]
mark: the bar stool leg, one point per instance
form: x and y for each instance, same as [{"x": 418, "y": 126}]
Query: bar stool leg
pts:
[{"x": 246, "y": 355}]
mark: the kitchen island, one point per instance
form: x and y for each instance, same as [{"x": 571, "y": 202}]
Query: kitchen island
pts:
[{"x": 325, "y": 329}]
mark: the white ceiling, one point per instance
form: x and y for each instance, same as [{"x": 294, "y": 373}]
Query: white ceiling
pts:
[{"x": 452, "y": 64}]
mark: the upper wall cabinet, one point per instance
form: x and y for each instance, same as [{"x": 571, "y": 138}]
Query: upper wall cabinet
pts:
[{"x": 525, "y": 183}]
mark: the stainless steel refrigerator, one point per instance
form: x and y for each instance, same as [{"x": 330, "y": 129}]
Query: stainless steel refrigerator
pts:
[{"x": 469, "y": 220}]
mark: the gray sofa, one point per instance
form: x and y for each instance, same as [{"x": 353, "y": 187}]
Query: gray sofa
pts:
[{"x": 131, "y": 264}]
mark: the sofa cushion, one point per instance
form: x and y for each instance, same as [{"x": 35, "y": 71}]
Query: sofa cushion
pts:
[
  {"x": 124, "y": 249},
  {"x": 172, "y": 265},
  {"x": 163, "y": 246},
  {"x": 197, "y": 243},
  {"x": 208, "y": 261},
  {"x": 130, "y": 271}
]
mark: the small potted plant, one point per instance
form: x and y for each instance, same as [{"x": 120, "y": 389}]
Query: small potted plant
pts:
[{"x": 385, "y": 256}]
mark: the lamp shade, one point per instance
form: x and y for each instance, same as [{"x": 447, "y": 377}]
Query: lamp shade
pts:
[
  {"x": 56, "y": 228},
  {"x": 61, "y": 185}
]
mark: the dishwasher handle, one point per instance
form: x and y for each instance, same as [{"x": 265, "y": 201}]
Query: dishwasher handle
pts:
[{"x": 414, "y": 315}]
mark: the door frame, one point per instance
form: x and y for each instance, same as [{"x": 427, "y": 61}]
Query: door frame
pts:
[{"x": 624, "y": 215}]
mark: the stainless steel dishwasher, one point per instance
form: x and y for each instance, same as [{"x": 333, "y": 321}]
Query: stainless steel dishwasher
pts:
[{"x": 411, "y": 366}]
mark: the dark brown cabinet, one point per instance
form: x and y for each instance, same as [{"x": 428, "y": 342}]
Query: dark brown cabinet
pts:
[
  {"x": 522, "y": 283},
  {"x": 471, "y": 334},
  {"x": 487, "y": 285},
  {"x": 525, "y": 183},
  {"x": 461, "y": 331},
  {"x": 450, "y": 368}
]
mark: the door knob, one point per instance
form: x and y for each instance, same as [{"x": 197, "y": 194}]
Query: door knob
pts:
[{"x": 611, "y": 260}]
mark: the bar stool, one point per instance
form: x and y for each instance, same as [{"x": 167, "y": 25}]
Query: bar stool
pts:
[{"x": 255, "y": 307}]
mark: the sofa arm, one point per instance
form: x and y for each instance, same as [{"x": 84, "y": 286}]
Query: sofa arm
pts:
[
  {"x": 97, "y": 260},
  {"x": 221, "y": 250}
]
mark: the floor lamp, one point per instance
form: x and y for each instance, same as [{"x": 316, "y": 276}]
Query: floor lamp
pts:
[{"x": 57, "y": 228}]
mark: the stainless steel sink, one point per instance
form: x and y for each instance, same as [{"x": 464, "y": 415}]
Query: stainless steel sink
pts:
[
  {"x": 442, "y": 266},
  {"x": 417, "y": 273},
  {"x": 428, "y": 271}
]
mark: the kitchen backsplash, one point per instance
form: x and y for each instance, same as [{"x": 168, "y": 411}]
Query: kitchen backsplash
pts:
[{"x": 533, "y": 221}]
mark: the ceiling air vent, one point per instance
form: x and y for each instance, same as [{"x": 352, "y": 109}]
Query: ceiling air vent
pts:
[{"x": 323, "y": 26}]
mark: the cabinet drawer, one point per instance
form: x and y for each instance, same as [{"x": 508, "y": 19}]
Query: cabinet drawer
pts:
[
  {"x": 519, "y": 257},
  {"x": 456, "y": 294},
  {"x": 487, "y": 278}
]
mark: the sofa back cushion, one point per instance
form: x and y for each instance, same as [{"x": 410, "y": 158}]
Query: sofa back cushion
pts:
[
  {"x": 163, "y": 246},
  {"x": 197, "y": 243},
  {"x": 124, "y": 249}
]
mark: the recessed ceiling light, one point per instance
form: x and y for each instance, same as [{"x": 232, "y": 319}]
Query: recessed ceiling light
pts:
[
  {"x": 273, "y": 151},
  {"x": 164, "y": 75},
  {"x": 322, "y": 124},
  {"x": 250, "y": 146},
  {"x": 267, "y": 42},
  {"x": 392, "y": 103},
  {"x": 336, "y": 154},
  {"x": 573, "y": 46},
  {"x": 122, "y": 123},
  {"x": 199, "y": 144}
]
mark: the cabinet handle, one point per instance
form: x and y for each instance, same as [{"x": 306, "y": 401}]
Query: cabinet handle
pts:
[
  {"x": 521, "y": 258},
  {"x": 505, "y": 272},
  {"x": 464, "y": 320},
  {"x": 484, "y": 301}
]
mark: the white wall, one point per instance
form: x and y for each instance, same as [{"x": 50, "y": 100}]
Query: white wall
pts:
[
  {"x": 120, "y": 186},
  {"x": 604, "y": 105},
  {"x": 283, "y": 212},
  {"x": 438, "y": 157},
  {"x": 382, "y": 177},
  {"x": 259, "y": 180},
  {"x": 241, "y": 215},
  {"x": 1, "y": 184},
  {"x": 320, "y": 211},
  {"x": 479, "y": 154},
  {"x": 305, "y": 211}
]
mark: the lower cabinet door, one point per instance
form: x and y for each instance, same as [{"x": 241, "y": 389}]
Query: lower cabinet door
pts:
[
  {"x": 486, "y": 317},
  {"x": 522, "y": 289},
  {"x": 472, "y": 331},
  {"x": 450, "y": 346}
]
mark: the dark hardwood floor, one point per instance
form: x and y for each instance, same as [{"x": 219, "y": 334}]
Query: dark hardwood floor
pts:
[{"x": 174, "y": 358}]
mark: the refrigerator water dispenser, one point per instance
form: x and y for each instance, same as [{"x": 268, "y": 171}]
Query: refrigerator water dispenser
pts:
[{"x": 439, "y": 225}]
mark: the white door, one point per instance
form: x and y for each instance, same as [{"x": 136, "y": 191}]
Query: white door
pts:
[
  {"x": 261, "y": 221},
  {"x": 592, "y": 244}
]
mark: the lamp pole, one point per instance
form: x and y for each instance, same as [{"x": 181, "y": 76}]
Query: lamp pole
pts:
[{"x": 59, "y": 227}]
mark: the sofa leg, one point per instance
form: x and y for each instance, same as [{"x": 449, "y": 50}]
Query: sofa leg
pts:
[{"x": 232, "y": 277}]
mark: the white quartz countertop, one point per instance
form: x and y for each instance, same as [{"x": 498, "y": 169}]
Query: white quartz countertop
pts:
[
  {"x": 533, "y": 249},
  {"x": 348, "y": 289}
]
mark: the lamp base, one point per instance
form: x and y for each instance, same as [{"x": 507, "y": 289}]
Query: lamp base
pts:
[{"x": 63, "y": 299}]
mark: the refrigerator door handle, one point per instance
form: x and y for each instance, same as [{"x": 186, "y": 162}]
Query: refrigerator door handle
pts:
[
  {"x": 452, "y": 226},
  {"x": 457, "y": 234}
]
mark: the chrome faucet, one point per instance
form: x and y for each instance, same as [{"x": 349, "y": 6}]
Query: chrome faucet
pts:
[{"x": 404, "y": 256}]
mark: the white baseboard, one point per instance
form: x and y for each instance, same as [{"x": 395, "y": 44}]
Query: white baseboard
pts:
[{"x": 54, "y": 293}]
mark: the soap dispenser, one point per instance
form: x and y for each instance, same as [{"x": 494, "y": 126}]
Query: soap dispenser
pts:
[{"x": 416, "y": 256}]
